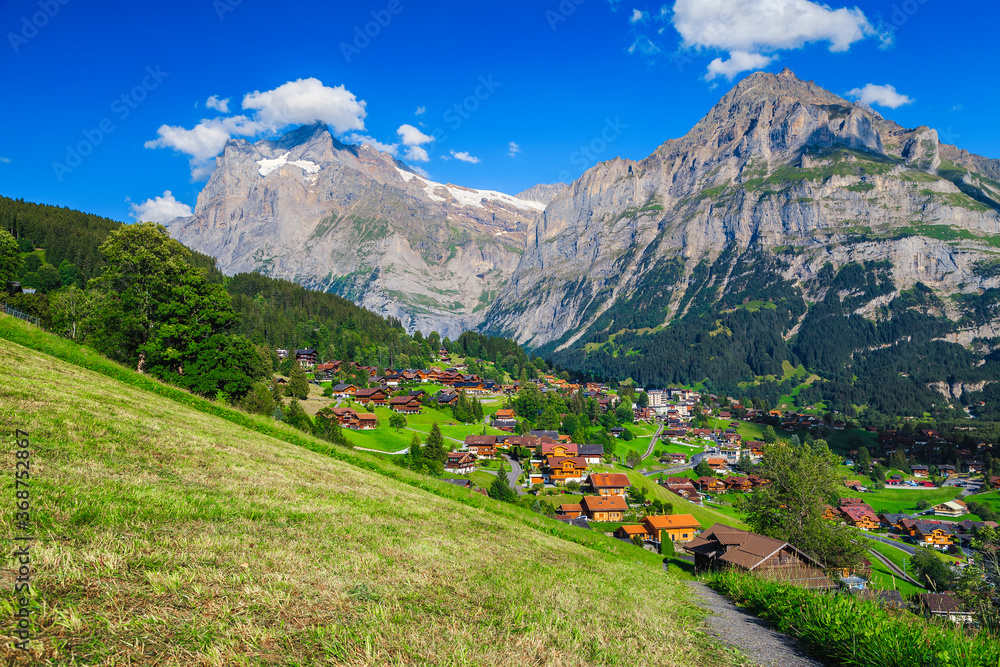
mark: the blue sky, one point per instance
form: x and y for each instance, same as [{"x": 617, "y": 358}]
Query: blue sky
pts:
[{"x": 570, "y": 82}]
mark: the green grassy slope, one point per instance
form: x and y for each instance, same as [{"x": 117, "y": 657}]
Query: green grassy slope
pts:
[{"x": 172, "y": 536}]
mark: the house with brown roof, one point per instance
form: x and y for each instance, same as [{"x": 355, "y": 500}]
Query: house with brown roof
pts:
[
  {"x": 723, "y": 546},
  {"x": 604, "y": 508},
  {"x": 738, "y": 484},
  {"x": 367, "y": 421},
  {"x": 717, "y": 464},
  {"x": 591, "y": 453},
  {"x": 460, "y": 463},
  {"x": 376, "y": 396},
  {"x": 483, "y": 446},
  {"x": 683, "y": 487},
  {"x": 407, "y": 405},
  {"x": 945, "y": 606},
  {"x": 679, "y": 528},
  {"x": 711, "y": 484},
  {"x": 609, "y": 484},
  {"x": 565, "y": 469}
]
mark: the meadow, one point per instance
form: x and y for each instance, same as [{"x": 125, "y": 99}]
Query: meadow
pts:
[{"x": 175, "y": 531}]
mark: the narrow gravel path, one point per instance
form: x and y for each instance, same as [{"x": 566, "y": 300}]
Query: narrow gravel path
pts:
[{"x": 754, "y": 637}]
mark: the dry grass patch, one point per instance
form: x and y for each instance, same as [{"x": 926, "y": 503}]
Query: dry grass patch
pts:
[{"x": 171, "y": 537}]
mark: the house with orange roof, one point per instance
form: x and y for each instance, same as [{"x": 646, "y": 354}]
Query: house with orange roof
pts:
[
  {"x": 628, "y": 532},
  {"x": 860, "y": 517},
  {"x": 609, "y": 484},
  {"x": 673, "y": 527}
]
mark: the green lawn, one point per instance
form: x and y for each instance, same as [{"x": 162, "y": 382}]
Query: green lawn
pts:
[
  {"x": 704, "y": 515},
  {"x": 904, "y": 501}
]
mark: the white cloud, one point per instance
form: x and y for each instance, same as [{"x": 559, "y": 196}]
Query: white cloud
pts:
[
  {"x": 306, "y": 101},
  {"x": 750, "y": 30},
  {"x": 414, "y": 139},
  {"x": 638, "y": 16},
  {"x": 767, "y": 25},
  {"x": 513, "y": 149},
  {"x": 644, "y": 45},
  {"x": 739, "y": 61},
  {"x": 205, "y": 140},
  {"x": 214, "y": 102},
  {"x": 421, "y": 111},
  {"x": 885, "y": 96},
  {"x": 355, "y": 138},
  {"x": 5, "y": 160},
  {"x": 160, "y": 209},
  {"x": 465, "y": 157}
]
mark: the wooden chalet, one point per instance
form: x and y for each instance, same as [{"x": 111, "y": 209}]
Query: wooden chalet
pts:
[
  {"x": 717, "y": 464},
  {"x": 628, "y": 532},
  {"x": 548, "y": 448},
  {"x": 408, "y": 405},
  {"x": 376, "y": 396},
  {"x": 591, "y": 453},
  {"x": 710, "y": 484},
  {"x": 945, "y": 606},
  {"x": 460, "y": 463},
  {"x": 674, "y": 527},
  {"x": 571, "y": 510},
  {"x": 932, "y": 535},
  {"x": 737, "y": 483},
  {"x": 604, "y": 508},
  {"x": 609, "y": 484},
  {"x": 952, "y": 508},
  {"x": 483, "y": 446},
  {"x": 307, "y": 357},
  {"x": 860, "y": 517},
  {"x": 367, "y": 421},
  {"x": 723, "y": 546},
  {"x": 564, "y": 469}
]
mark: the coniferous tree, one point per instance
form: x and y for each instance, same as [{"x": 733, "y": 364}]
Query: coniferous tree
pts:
[
  {"x": 435, "y": 453},
  {"x": 500, "y": 488},
  {"x": 298, "y": 384}
]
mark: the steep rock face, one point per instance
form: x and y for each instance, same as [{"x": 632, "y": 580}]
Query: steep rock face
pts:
[
  {"x": 354, "y": 221},
  {"x": 542, "y": 193},
  {"x": 780, "y": 165}
]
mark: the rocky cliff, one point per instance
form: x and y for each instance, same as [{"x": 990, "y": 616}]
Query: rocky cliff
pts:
[
  {"x": 779, "y": 166},
  {"x": 354, "y": 221}
]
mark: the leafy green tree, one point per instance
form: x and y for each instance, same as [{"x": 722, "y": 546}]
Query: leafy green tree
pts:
[
  {"x": 744, "y": 464},
  {"x": 548, "y": 420},
  {"x": 642, "y": 400},
  {"x": 32, "y": 262},
  {"x": 70, "y": 311},
  {"x": 397, "y": 421},
  {"x": 790, "y": 508},
  {"x": 45, "y": 278},
  {"x": 627, "y": 435},
  {"x": 70, "y": 274},
  {"x": 624, "y": 413},
  {"x": 298, "y": 384},
  {"x": 633, "y": 458},
  {"x": 769, "y": 436},
  {"x": 10, "y": 258},
  {"x": 703, "y": 469},
  {"x": 143, "y": 263},
  {"x": 927, "y": 568},
  {"x": 570, "y": 424},
  {"x": 573, "y": 487}
]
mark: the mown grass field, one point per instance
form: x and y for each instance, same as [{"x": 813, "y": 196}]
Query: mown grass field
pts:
[{"x": 170, "y": 535}]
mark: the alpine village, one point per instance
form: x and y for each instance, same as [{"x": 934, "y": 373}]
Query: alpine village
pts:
[{"x": 733, "y": 403}]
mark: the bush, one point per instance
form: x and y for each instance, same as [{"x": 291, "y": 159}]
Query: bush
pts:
[{"x": 850, "y": 631}]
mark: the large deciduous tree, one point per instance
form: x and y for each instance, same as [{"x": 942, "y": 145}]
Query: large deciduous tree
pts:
[
  {"x": 802, "y": 480},
  {"x": 10, "y": 258}
]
